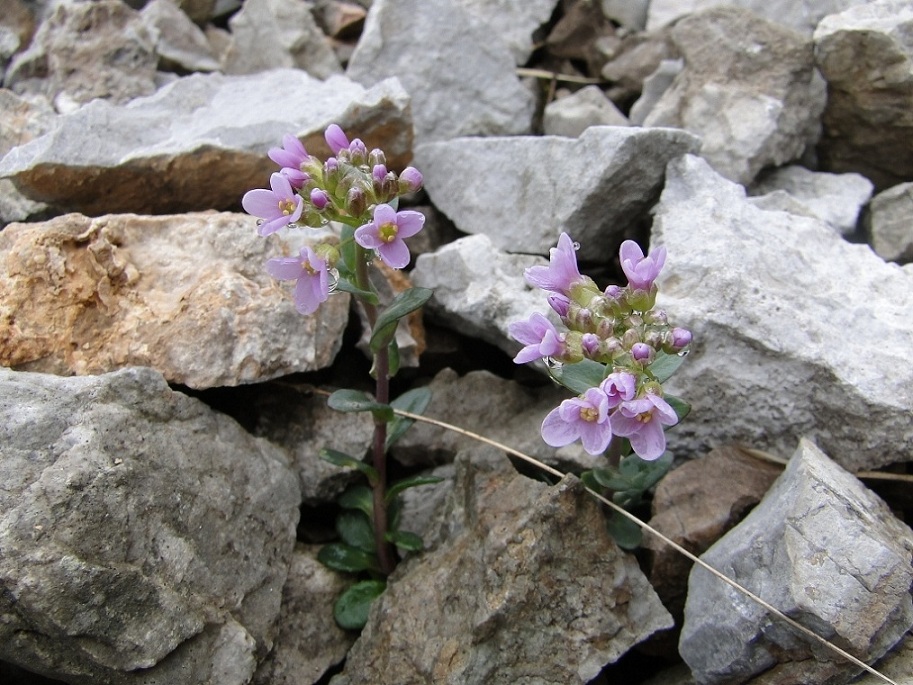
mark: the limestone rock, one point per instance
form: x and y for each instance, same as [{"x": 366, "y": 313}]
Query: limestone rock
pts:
[
  {"x": 572, "y": 115},
  {"x": 529, "y": 588},
  {"x": 837, "y": 199},
  {"x": 87, "y": 50},
  {"x": 890, "y": 223},
  {"x": 459, "y": 74},
  {"x": 201, "y": 141},
  {"x": 515, "y": 21},
  {"x": 632, "y": 14},
  {"x": 523, "y": 191},
  {"x": 749, "y": 89},
  {"x": 199, "y": 11},
  {"x": 866, "y": 56},
  {"x": 185, "y": 294},
  {"x": 655, "y": 86},
  {"x": 20, "y": 122},
  {"x": 179, "y": 42},
  {"x": 824, "y": 550},
  {"x": 637, "y": 57},
  {"x": 579, "y": 34},
  {"x": 784, "y": 345},
  {"x": 308, "y": 641},
  {"x": 277, "y": 34},
  {"x": 145, "y": 537}
]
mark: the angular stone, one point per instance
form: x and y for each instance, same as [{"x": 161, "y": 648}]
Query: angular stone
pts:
[
  {"x": 637, "y": 57},
  {"x": 477, "y": 93},
  {"x": 179, "y": 42},
  {"x": 889, "y": 225},
  {"x": 515, "y": 21},
  {"x": 161, "y": 154},
  {"x": 749, "y": 89},
  {"x": 784, "y": 345},
  {"x": 572, "y": 115},
  {"x": 866, "y": 56},
  {"x": 632, "y": 14},
  {"x": 87, "y": 50},
  {"x": 655, "y": 86},
  {"x": 523, "y": 191},
  {"x": 308, "y": 642},
  {"x": 20, "y": 122},
  {"x": 578, "y": 33},
  {"x": 278, "y": 34},
  {"x": 146, "y": 538},
  {"x": 529, "y": 587},
  {"x": 837, "y": 199},
  {"x": 185, "y": 294},
  {"x": 824, "y": 550},
  {"x": 199, "y": 11}
]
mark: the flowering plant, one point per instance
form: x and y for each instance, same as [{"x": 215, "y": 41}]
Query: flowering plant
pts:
[
  {"x": 354, "y": 191},
  {"x": 616, "y": 351}
]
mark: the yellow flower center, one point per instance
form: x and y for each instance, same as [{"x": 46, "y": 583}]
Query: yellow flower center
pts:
[
  {"x": 287, "y": 207},
  {"x": 646, "y": 417},
  {"x": 306, "y": 265},
  {"x": 589, "y": 413},
  {"x": 387, "y": 232}
]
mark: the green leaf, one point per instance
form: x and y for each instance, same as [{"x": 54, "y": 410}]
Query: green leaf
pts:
[
  {"x": 355, "y": 529},
  {"x": 414, "y": 401},
  {"x": 352, "y": 607},
  {"x": 397, "y": 488},
  {"x": 626, "y": 533},
  {"x": 347, "y": 400},
  {"x": 679, "y": 406},
  {"x": 611, "y": 479},
  {"x": 348, "y": 250},
  {"x": 664, "y": 365},
  {"x": 346, "y": 461},
  {"x": 347, "y": 286},
  {"x": 358, "y": 497},
  {"x": 404, "y": 303},
  {"x": 342, "y": 557},
  {"x": 580, "y": 376},
  {"x": 405, "y": 540},
  {"x": 589, "y": 480},
  {"x": 392, "y": 358},
  {"x": 644, "y": 474}
]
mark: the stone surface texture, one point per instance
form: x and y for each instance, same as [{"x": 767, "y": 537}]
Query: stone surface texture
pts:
[
  {"x": 179, "y": 43},
  {"x": 145, "y": 538},
  {"x": 866, "y": 55},
  {"x": 515, "y": 21},
  {"x": 548, "y": 587},
  {"x": 460, "y": 74},
  {"x": 784, "y": 347},
  {"x": 749, "y": 89},
  {"x": 522, "y": 192},
  {"x": 184, "y": 294},
  {"x": 890, "y": 223},
  {"x": 825, "y": 551},
  {"x": 20, "y": 122},
  {"x": 572, "y": 115},
  {"x": 160, "y": 154}
]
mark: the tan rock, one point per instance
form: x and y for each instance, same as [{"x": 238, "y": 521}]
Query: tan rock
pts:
[{"x": 184, "y": 294}]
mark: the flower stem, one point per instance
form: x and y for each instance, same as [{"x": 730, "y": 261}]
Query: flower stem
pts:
[{"x": 378, "y": 448}]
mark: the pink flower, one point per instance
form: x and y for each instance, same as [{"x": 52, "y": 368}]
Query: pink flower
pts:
[
  {"x": 562, "y": 271},
  {"x": 277, "y": 208},
  {"x": 336, "y": 139},
  {"x": 410, "y": 180},
  {"x": 292, "y": 153},
  {"x": 619, "y": 387},
  {"x": 540, "y": 337},
  {"x": 585, "y": 418},
  {"x": 386, "y": 232},
  {"x": 313, "y": 286},
  {"x": 641, "y": 421},
  {"x": 641, "y": 271}
]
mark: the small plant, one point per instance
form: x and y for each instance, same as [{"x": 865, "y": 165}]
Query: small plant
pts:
[
  {"x": 353, "y": 189},
  {"x": 616, "y": 352}
]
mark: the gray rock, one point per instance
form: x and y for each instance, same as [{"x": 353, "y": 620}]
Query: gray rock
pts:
[
  {"x": 897, "y": 665},
  {"x": 20, "y": 122},
  {"x": 632, "y": 14},
  {"x": 749, "y": 89},
  {"x": 460, "y": 74},
  {"x": 160, "y": 154},
  {"x": 784, "y": 345},
  {"x": 655, "y": 86},
  {"x": 529, "y": 588},
  {"x": 479, "y": 290},
  {"x": 890, "y": 223},
  {"x": 572, "y": 115},
  {"x": 185, "y": 294},
  {"x": 837, "y": 199},
  {"x": 824, "y": 550},
  {"x": 308, "y": 641},
  {"x": 179, "y": 42},
  {"x": 523, "y": 191},
  {"x": 866, "y": 55},
  {"x": 145, "y": 537},
  {"x": 800, "y": 15},
  {"x": 515, "y": 21},
  {"x": 278, "y": 34},
  {"x": 87, "y": 50}
]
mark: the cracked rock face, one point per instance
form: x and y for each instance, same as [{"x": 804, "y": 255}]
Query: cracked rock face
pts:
[{"x": 145, "y": 537}]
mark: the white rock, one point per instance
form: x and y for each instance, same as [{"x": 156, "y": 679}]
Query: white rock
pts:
[
  {"x": 514, "y": 21},
  {"x": 572, "y": 115},
  {"x": 890, "y": 223},
  {"x": 178, "y": 40},
  {"x": 655, "y": 85}
]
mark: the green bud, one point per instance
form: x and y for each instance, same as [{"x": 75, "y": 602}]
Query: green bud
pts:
[
  {"x": 329, "y": 253},
  {"x": 642, "y": 300}
]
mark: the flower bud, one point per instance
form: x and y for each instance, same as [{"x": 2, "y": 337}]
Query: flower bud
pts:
[
  {"x": 643, "y": 353},
  {"x": 378, "y": 174},
  {"x": 654, "y": 338},
  {"x": 377, "y": 157},
  {"x": 328, "y": 252},
  {"x": 559, "y": 303},
  {"x": 331, "y": 174},
  {"x": 358, "y": 153},
  {"x": 410, "y": 180},
  {"x": 611, "y": 348},
  {"x": 605, "y": 328},
  {"x": 580, "y": 319},
  {"x": 589, "y": 342},
  {"x": 681, "y": 338},
  {"x": 642, "y": 300},
  {"x": 336, "y": 138},
  {"x": 630, "y": 338},
  {"x": 613, "y": 292},
  {"x": 319, "y": 198},
  {"x": 356, "y": 201},
  {"x": 656, "y": 316}
]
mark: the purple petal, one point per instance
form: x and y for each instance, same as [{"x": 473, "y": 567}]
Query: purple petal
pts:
[
  {"x": 630, "y": 252},
  {"x": 650, "y": 441},
  {"x": 335, "y": 138},
  {"x": 409, "y": 223},
  {"x": 285, "y": 268},
  {"x": 274, "y": 225},
  {"x": 663, "y": 411},
  {"x": 556, "y": 431},
  {"x": 595, "y": 436},
  {"x": 624, "y": 425},
  {"x": 306, "y": 302},
  {"x": 528, "y": 354},
  {"x": 261, "y": 203},
  {"x": 384, "y": 214},
  {"x": 367, "y": 237},
  {"x": 281, "y": 187},
  {"x": 395, "y": 254}
]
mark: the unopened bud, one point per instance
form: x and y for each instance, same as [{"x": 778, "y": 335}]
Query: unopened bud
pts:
[
  {"x": 643, "y": 353},
  {"x": 589, "y": 342},
  {"x": 605, "y": 328},
  {"x": 378, "y": 174},
  {"x": 328, "y": 252},
  {"x": 681, "y": 338},
  {"x": 319, "y": 198},
  {"x": 630, "y": 338},
  {"x": 642, "y": 300},
  {"x": 559, "y": 303},
  {"x": 358, "y": 153},
  {"x": 356, "y": 201},
  {"x": 657, "y": 316},
  {"x": 654, "y": 338},
  {"x": 377, "y": 156},
  {"x": 410, "y": 180}
]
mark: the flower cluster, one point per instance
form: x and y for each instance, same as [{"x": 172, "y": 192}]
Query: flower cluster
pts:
[
  {"x": 618, "y": 328},
  {"x": 354, "y": 188}
]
